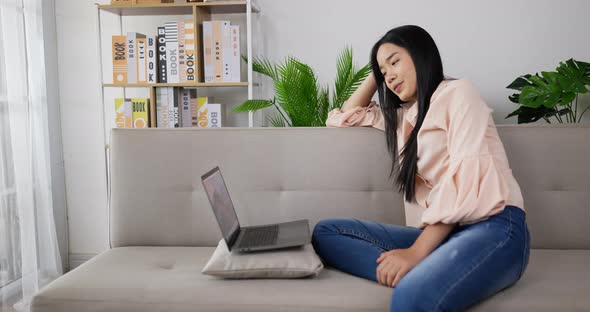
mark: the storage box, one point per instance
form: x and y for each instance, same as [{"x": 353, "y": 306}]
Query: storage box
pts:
[{"x": 123, "y": 2}]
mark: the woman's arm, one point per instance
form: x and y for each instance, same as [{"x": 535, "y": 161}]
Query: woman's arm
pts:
[
  {"x": 395, "y": 264},
  {"x": 432, "y": 236},
  {"x": 362, "y": 95}
]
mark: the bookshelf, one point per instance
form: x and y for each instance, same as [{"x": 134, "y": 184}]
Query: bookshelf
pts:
[
  {"x": 200, "y": 11},
  {"x": 110, "y": 21},
  {"x": 186, "y": 84}
]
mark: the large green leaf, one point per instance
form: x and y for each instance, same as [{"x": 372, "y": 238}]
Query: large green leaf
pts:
[
  {"x": 552, "y": 88},
  {"x": 520, "y": 82},
  {"x": 578, "y": 73},
  {"x": 527, "y": 114},
  {"x": 252, "y": 105}
]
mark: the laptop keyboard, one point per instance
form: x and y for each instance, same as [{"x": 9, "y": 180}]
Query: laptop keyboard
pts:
[{"x": 260, "y": 236}]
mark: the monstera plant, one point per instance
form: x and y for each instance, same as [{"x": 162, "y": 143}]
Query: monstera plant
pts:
[
  {"x": 299, "y": 99},
  {"x": 552, "y": 94}
]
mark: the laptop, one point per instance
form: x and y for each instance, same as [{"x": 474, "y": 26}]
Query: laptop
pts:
[{"x": 250, "y": 238}]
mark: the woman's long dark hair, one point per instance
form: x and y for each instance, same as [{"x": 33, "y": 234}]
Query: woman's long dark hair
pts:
[{"x": 429, "y": 74}]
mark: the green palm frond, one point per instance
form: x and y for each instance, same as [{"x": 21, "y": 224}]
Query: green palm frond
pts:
[
  {"x": 297, "y": 91},
  {"x": 348, "y": 78},
  {"x": 323, "y": 108},
  {"x": 287, "y": 76},
  {"x": 299, "y": 98},
  {"x": 344, "y": 67},
  {"x": 309, "y": 90},
  {"x": 277, "y": 120},
  {"x": 252, "y": 105},
  {"x": 263, "y": 66}
]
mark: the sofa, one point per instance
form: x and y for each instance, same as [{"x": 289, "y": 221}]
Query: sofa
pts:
[{"x": 162, "y": 229}]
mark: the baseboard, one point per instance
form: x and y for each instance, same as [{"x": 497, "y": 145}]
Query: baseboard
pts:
[{"x": 77, "y": 259}]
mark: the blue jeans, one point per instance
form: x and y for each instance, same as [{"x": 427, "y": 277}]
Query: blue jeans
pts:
[{"x": 474, "y": 262}]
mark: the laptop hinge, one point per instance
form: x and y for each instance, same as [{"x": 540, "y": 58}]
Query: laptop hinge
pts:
[{"x": 233, "y": 238}]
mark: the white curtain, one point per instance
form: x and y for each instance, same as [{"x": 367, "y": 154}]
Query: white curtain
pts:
[{"x": 29, "y": 254}]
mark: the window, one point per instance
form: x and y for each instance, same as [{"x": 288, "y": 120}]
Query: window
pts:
[{"x": 10, "y": 263}]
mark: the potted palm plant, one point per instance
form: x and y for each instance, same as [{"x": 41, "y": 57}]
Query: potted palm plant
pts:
[
  {"x": 299, "y": 99},
  {"x": 551, "y": 94}
]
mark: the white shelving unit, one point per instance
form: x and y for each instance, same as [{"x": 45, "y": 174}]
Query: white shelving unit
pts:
[{"x": 200, "y": 11}]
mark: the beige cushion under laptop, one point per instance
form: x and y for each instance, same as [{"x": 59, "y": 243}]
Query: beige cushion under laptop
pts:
[{"x": 286, "y": 263}]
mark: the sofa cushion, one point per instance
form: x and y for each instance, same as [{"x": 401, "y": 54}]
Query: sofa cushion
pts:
[
  {"x": 287, "y": 263},
  {"x": 170, "y": 279}
]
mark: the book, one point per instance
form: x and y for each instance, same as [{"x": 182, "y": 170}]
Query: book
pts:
[
  {"x": 181, "y": 52},
  {"x": 208, "y": 51},
  {"x": 213, "y": 115},
  {"x": 128, "y": 113},
  {"x": 171, "y": 112},
  {"x": 189, "y": 46},
  {"x": 218, "y": 50},
  {"x": 226, "y": 51},
  {"x": 194, "y": 108},
  {"x": 162, "y": 66},
  {"x": 171, "y": 29},
  {"x": 176, "y": 106},
  {"x": 119, "y": 59},
  {"x": 132, "y": 56},
  {"x": 235, "y": 60},
  {"x": 152, "y": 64},
  {"x": 202, "y": 111},
  {"x": 140, "y": 112},
  {"x": 152, "y": 110},
  {"x": 141, "y": 60},
  {"x": 123, "y": 113},
  {"x": 185, "y": 102},
  {"x": 162, "y": 107}
]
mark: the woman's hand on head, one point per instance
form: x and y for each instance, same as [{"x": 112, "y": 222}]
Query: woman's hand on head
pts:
[{"x": 395, "y": 264}]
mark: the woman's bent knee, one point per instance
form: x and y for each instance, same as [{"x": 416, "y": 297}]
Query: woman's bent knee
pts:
[{"x": 409, "y": 299}]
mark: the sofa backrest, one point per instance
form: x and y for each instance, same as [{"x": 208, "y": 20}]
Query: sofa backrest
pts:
[
  {"x": 273, "y": 175},
  {"x": 552, "y": 166},
  {"x": 281, "y": 174}
]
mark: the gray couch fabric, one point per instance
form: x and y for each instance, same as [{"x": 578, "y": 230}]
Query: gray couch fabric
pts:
[{"x": 162, "y": 230}]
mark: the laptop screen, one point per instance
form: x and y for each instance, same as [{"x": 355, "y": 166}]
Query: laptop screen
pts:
[{"x": 221, "y": 203}]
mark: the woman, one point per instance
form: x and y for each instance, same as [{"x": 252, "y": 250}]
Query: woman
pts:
[{"x": 473, "y": 240}]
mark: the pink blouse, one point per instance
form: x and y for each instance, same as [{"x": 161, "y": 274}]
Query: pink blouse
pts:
[{"x": 463, "y": 172}]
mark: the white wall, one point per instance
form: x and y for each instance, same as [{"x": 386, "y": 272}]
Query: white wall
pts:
[
  {"x": 488, "y": 42},
  {"x": 81, "y": 127}
]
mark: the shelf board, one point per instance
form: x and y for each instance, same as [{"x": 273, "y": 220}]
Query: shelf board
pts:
[
  {"x": 177, "y": 8},
  {"x": 198, "y": 85}
]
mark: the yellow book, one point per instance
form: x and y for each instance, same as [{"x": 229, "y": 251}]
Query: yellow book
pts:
[
  {"x": 140, "y": 113},
  {"x": 119, "y": 59},
  {"x": 122, "y": 113},
  {"x": 203, "y": 111}
]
